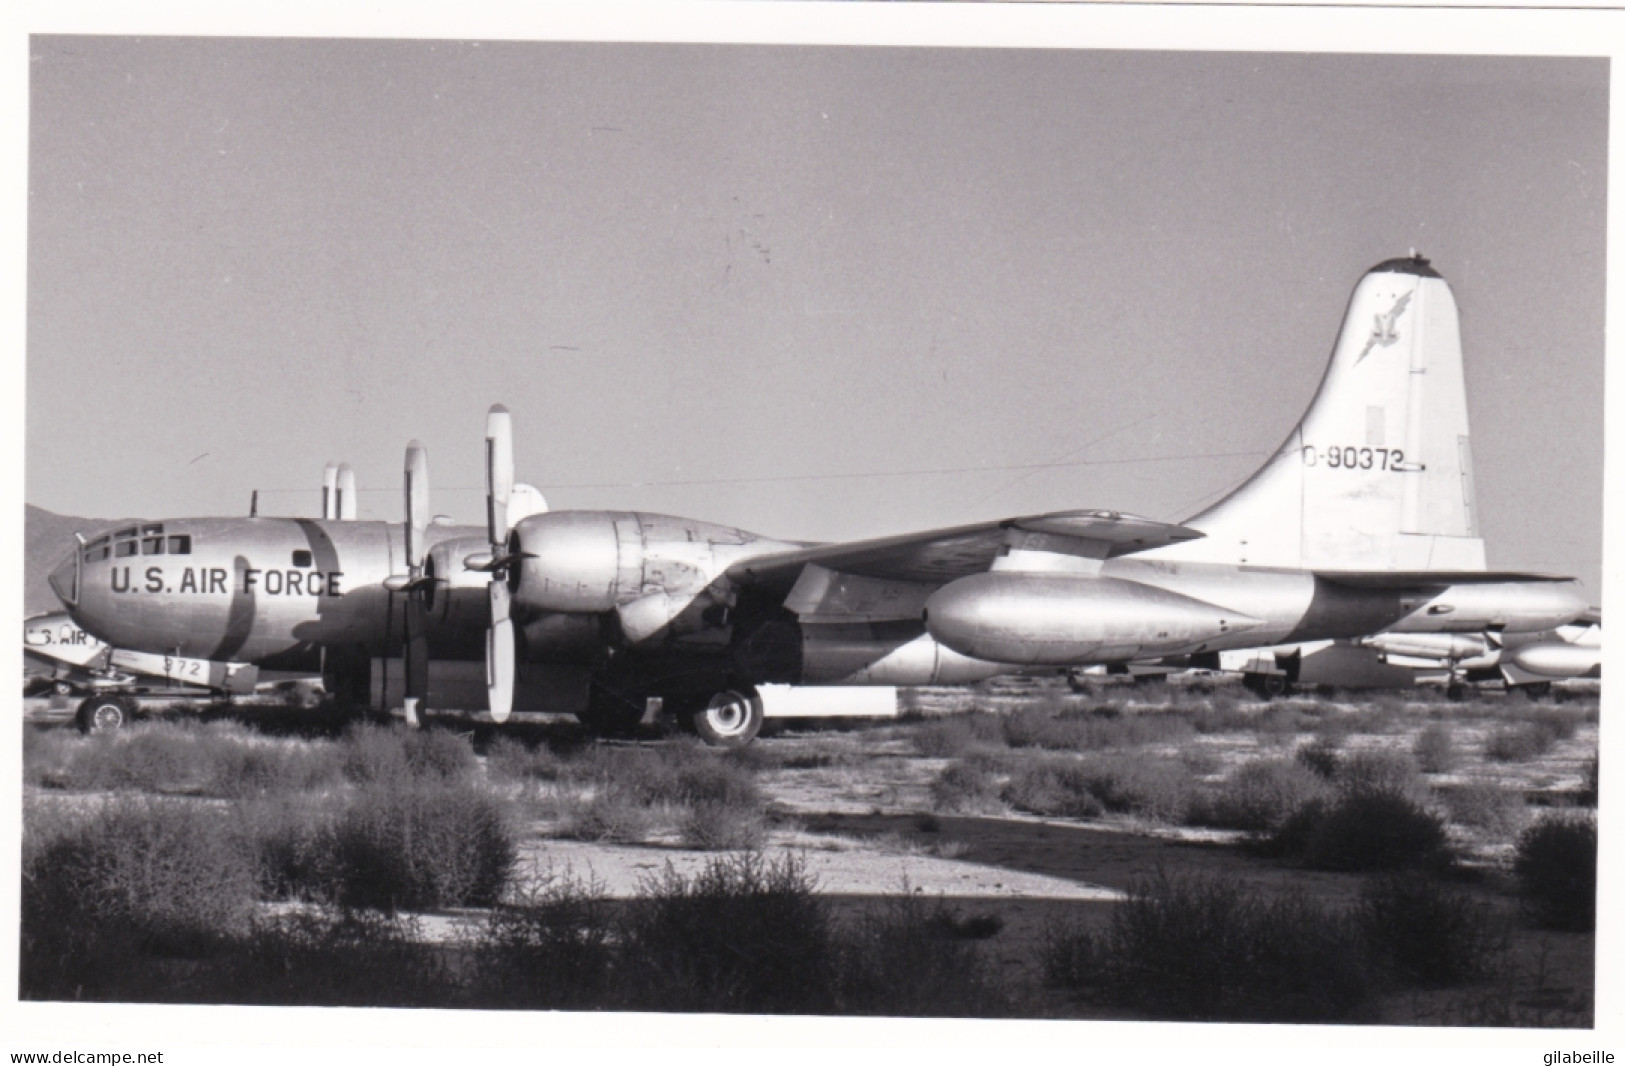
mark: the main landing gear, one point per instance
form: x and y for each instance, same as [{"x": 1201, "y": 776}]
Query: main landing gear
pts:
[
  {"x": 729, "y": 718},
  {"x": 1267, "y": 686}
]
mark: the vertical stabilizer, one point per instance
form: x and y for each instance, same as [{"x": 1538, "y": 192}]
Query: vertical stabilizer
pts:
[{"x": 1378, "y": 474}]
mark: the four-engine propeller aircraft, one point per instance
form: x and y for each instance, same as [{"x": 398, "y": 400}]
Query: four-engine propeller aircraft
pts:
[{"x": 1363, "y": 521}]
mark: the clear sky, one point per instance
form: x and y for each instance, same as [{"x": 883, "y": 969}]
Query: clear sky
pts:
[{"x": 818, "y": 292}]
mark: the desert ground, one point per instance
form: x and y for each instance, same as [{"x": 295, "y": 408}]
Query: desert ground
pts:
[{"x": 940, "y": 805}]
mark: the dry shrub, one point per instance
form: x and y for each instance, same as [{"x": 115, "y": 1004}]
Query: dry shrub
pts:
[
  {"x": 108, "y": 889},
  {"x": 1322, "y": 756},
  {"x": 383, "y": 754},
  {"x": 291, "y": 839},
  {"x": 183, "y": 756},
  {"x": 953, "y": 736},
  {"x": 1487, "y": 806},
  {"x": 917, "y": 958},
  {"x": 1518, "y": 743},
  {"x": 49, "y": 756},
  {"x": 553, "y": 948},
  {"x": 710, "y": 825},
  {"x": 1202, "y": 949},
  {"x": 1382, "y": 770},
  {"x": 607, "y": 816},
  {"x": 1260, "y": 795},
  {"x": 743, "y": 935},
  {"x": 671, "y": 773},
  {"x": 1435, "y": 749},
  {"x": 1363, "y": 830},
  {"x": 509, "y": 758},
  {"x": 421, "y": 846},
  {"x": 1053, "y": 787},
  {"x": 333, "y": 958},
  {"x": 713, "y": 800},
  {"x": 1556, "y": 866},
  {"x": 1093, "y": 730},
  {"x": 1149, "y": 786},
  {"x": 1424, "y": 934},
  {"x": 1562, "y": 724},
  {"x": 966, "y": 787}
]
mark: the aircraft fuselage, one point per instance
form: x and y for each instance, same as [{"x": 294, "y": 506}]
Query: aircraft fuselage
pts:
[{"x": 277, "y": 591}]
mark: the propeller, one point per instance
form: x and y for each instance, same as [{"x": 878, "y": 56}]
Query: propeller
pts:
[
  {"x": 344, "y": 502},
  {"x": 330, "y": 480},
  {"x": 414, "y": 583},
  {"x": 499, "y": 645}
]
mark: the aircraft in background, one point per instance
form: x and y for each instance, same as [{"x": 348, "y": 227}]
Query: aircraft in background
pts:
[
  {"x": 66, "y": 660},
  {"x": 1525, "y": 662},
  {"x": 1362, "y": 522},
  {"x": 60, "y": 657}
]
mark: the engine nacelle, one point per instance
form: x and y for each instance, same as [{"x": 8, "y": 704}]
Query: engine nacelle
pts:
[
  {"x": 578, "y": 561},
  {"x": 1072, "y": 619},
  {"x": 658, "y": 573}
]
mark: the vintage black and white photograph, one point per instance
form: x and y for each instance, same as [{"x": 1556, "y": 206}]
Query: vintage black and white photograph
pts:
[{"x": 1020, "y": 530}]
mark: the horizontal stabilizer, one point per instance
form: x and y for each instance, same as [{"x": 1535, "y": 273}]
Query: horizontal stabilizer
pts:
[{"x": 945, "y": 554}]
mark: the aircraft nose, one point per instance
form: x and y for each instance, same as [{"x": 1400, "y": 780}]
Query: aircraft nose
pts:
[{"x": 65, "y": 579}]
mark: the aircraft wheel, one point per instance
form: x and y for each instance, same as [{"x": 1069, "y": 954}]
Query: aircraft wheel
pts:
[
  {"x": 100, "y": 714},
  {"x": 1455, "y": 693},
  {"x": 609, "y": 714},
  {"x": 1537, "y": 690},
  {"x": 730, "y": 719},
  {"x": 1272, "y": 685}
]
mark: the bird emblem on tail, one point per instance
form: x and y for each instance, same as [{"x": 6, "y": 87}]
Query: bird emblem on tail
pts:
[{"x": 1383, "y": 333}]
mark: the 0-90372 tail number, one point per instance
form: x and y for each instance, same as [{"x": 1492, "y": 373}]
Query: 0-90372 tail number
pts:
[{"x": 1349, "y": 457}]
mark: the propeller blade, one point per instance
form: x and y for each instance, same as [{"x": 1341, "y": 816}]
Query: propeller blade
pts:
[
  {"x": 499, "y": 655},
  {"x": 330, "y": 482},
  {"x": 417, "y": 504},
  {"x": 416, "y": 653},
  {"x": 344, "y": 505},
  {"x": 498, "y": 474}
]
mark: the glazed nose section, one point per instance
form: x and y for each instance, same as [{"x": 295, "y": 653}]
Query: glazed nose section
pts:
[{"x": 65, "y": 579}]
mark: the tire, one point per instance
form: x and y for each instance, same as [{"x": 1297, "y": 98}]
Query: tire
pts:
[
  {"x": 103, "y": 714},
  {"x": 609, "y": 714},
  {"x": 1455, "y": 693},
  {"x": 1273, "y": 685},
  {"x": 729, "y": 719},
  {"x": 1535, "y": 690}
]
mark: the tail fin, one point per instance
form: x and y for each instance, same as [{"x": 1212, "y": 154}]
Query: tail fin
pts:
[{"x": 1378, "y": 474}]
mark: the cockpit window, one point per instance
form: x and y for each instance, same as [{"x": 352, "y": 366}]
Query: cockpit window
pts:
[
  {"x": 181, "y": 544},
  {"x": 123, "y": 548},
  {"x": 128, "y": 531},
  {"x": 152, "y": 545},
  {"x": 96, "y": 550}
]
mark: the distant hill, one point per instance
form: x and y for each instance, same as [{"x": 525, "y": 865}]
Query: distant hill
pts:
[{"x": 47, "y": 537}]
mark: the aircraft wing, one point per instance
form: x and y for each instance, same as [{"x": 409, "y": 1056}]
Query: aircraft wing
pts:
[
  {"x": 941, "y": 555},
  {"x": 1410, "y": 579}
]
